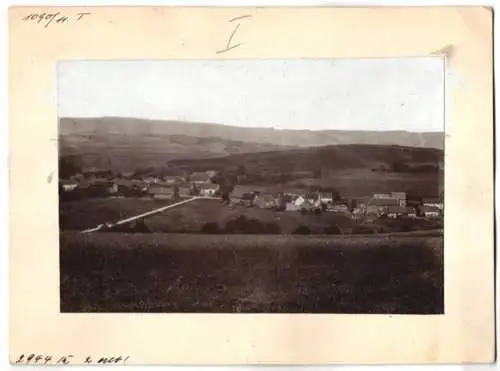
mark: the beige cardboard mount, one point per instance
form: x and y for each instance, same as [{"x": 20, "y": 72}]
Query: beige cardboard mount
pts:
[{"x": 465, "y": 333}]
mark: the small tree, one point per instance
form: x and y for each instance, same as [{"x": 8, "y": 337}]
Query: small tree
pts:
[
  {"x": 302, "y": 229},
  {"x": 210, "y": 228}
]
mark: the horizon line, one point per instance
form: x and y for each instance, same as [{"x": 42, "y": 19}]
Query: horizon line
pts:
[{"x": 242, "y": 127}]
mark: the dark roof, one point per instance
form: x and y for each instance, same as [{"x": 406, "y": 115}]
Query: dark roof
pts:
[
  {"x": 68, "y": 182},
  {"x": 397, "y": 209},
  {"x": 431, "y": 200},
  {"x": 199, "y": 177},
  {"x": 326, "y": 195},
  {"x": 248, "y": 196},
  {"x": 398, "y": 194},
  {"x": 382, "y": 202},
  {"x": 207, "y": 186},
  {"x": 160, "y": 189},
  {"x": 429, "y": 209}
]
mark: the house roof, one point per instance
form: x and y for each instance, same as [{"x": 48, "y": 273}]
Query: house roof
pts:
[
  {"x": 311, "y": 195},
  {"x": 199, "y": 177},
  {"x": 170, "y": 177},
  {"x": 68, "y": 182},
  {"x": 398, "y": 194},
  {"x": 397, "y": 209},
  {"x": 266, "y": 197},
  {"x": 431, "y": 200},
  {"x": 325, "y": 195},
  {"x": 207, "y": 186},
  {"x": 247, "y": 196},
  {"x": 161, "y": 189},
  {"x": 429, "y": 209},
  {"x": 382, "y": 202},
  {"x": 239, "y": 191},
  {"x": 102, "y": 182}
]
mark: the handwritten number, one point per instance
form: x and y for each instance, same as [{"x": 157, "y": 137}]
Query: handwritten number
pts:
[
  {"x": 48, "y": 18},
  {"x": 65, "y": 359}
]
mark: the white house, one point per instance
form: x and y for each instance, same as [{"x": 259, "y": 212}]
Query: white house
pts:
[
  {"x": 69, "y": 186},
  {"x": 432, "y": 202},
  {"x": 299, "y": 201},
  {"x": 325, "y": 198},
  {"x": 430, "y": 211},
  {"x": 208, "y": 189}
]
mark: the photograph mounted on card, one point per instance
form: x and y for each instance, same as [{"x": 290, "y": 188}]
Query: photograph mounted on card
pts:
[{"x": 211, "y": 186}]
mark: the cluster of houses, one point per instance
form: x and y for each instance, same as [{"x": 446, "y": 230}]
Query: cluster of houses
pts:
[
  {"x": 198, "y": 183},
  {"x": 390, "y": 205}
]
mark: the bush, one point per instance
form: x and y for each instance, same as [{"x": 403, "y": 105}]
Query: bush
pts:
[
  {"x": 363, "y": 230},
  {"x": 272, "y": 228},
  {"x": 245, "y": 225},
  {"x": 302, "y": 229},
  {"x": 332, "y": 229},
  {"x": 210, "y": 228}
]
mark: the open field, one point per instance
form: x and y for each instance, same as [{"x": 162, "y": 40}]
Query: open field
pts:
[
  {"x": 359, "y": 182},
  {"x": 113, "y": 272},
  {"x": 88, "y": 213},
  {"x": 190, "y": 218}
]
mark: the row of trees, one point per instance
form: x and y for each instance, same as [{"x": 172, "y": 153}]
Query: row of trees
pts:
[{"x": 402, "y": 167}]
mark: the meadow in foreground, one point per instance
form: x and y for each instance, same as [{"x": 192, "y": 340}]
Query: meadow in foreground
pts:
[{"x": 114, "y": 272}]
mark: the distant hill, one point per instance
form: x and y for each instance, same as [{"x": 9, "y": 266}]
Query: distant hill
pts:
[
  {"x": 288, "y": 138},
  {"x": 353, "y": 170},
  {"x": 336, "y": 157},
  {"x": 123, "y": 144},
  {"x": 354, "y": 162}
]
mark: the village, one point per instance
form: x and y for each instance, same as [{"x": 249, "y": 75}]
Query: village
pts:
[{"x": 369, "y": 208}]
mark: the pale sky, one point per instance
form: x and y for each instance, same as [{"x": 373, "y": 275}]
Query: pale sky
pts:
[{"x": 363, "y": 94}]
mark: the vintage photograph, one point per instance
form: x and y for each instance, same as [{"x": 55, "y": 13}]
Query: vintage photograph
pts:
[{"x": 252, "y": 186}]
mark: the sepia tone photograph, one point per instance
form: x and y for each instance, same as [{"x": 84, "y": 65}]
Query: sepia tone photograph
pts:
[{"x": 252, "y": 186}]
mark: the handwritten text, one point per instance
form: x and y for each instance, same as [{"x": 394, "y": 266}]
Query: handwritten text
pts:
[
  {"x": 46, "y": 19},
  {"x": 229, "y": 45},
  {"x": 66, "y": 359}
]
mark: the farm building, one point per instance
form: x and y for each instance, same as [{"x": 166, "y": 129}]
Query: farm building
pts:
[
  {"x": 172, "y": 179},
  {"x": 162, "y": 191},
  {"x": 211, "y": 173},
  {"x": 185, "y": 190},
  {"x": 151, "y": 179},
  {"x": 400, "y": 197},
  {"x": 326, "y": 197},
  {"x": 379, "y": 205},
  {"x": 433, "y": 202},
  {"x": 207, "y": 189},
  {"x": 339, "y": 207},
  {"x": 68, "y": 185},
  {"x": 411, "y": 212},
  {"x": 395, "y": 212},
  {"x": 248, "y": 199},
  {"x": 431, "y": 211},
  {"x": 199, "y": 178},
  {"x": 265, "y": 201}
]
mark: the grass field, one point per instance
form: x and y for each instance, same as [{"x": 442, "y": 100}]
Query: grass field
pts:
[
  {"x": 359, "y": 182},
  {"x": 191, "y": 217},
  {"x": 88, "y": 213},
  {"x": 113, "y": 272}
]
